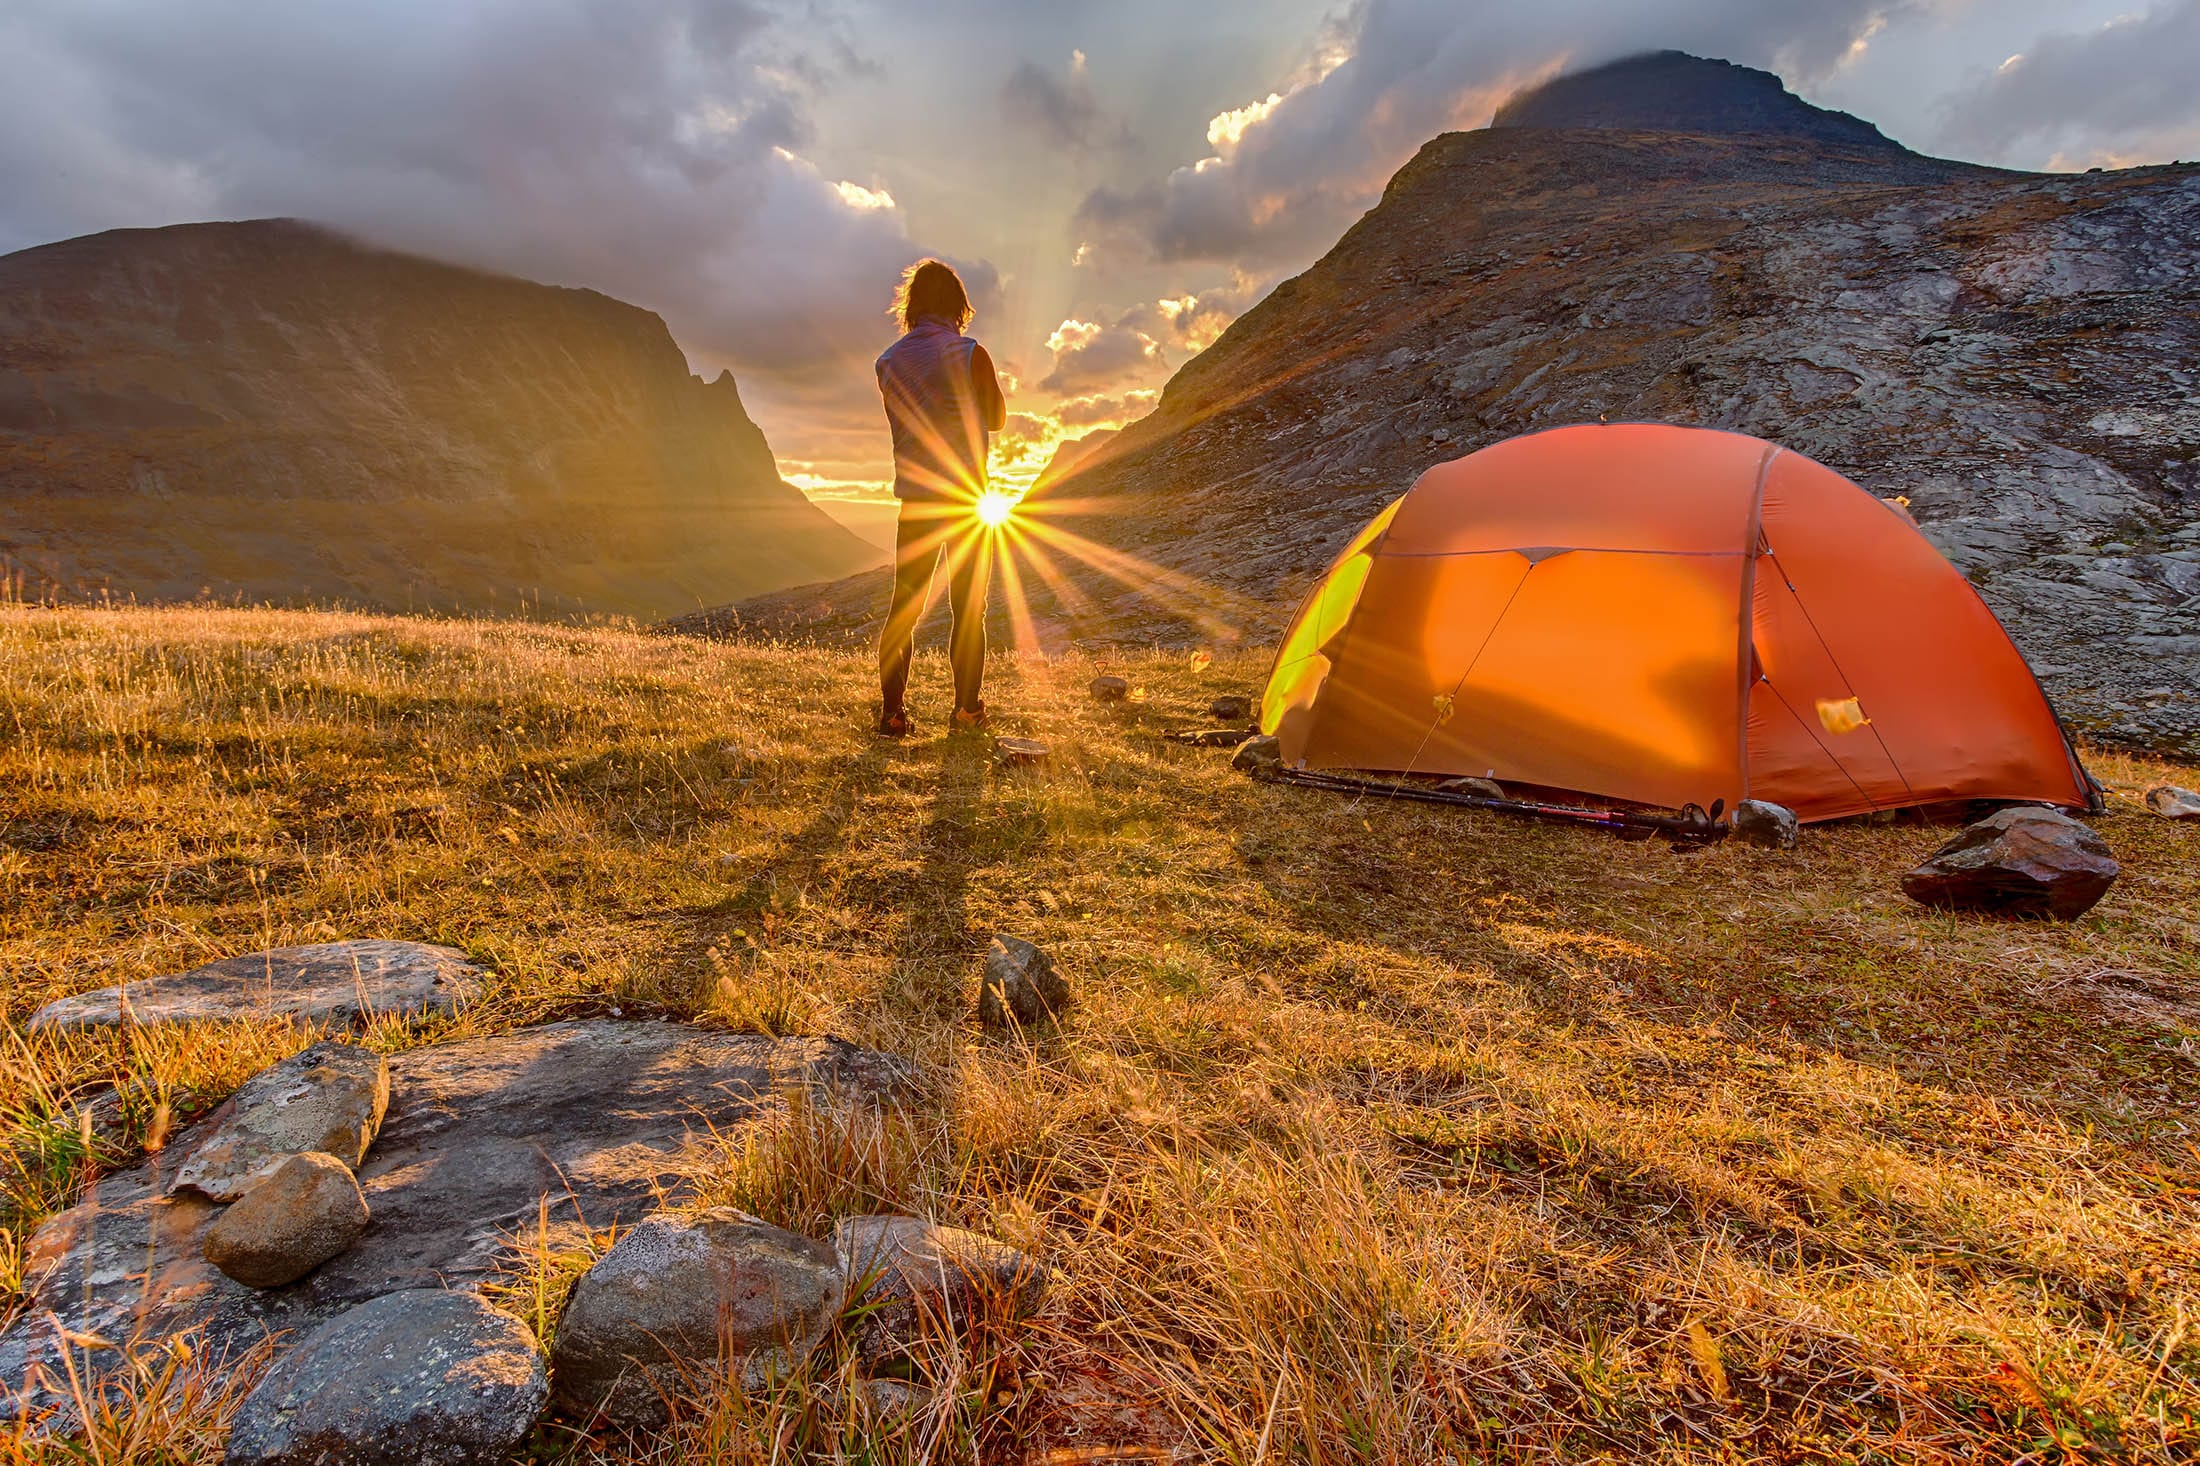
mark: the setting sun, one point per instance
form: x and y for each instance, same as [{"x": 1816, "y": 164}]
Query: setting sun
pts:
[{"x": 994, "y": 507}]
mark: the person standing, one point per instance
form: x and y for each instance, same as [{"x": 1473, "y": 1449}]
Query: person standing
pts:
[{"x": 943, "y": 400}]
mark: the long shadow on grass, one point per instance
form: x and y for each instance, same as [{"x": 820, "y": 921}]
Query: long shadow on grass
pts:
[
  {"x": 801, "y": 857},
  {"x": 935, "y": 937}
]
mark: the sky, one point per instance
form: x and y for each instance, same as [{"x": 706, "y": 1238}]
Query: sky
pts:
[{"x": 1117, "y": 181}]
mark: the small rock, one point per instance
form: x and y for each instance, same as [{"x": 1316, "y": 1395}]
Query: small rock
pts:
[
  {"x": 2021, "y": 861},
  {"x": 1020, "y": 987},
  {"x": 331, "y": 983},
  {"x": 1110, "y": 689},
  {"x": 919, "y": 1280},
  {"x": 676, "y": 1295},
  {"x": 1479, "y": 788},
  {"x": 2171, "y": 802},
  {"x": 1258, "y": 757},
  {"x": 307, "y": 1212},
  {"x": 888, "y": 1399},
  {"x": 1231, "y": 708},
  {"x": 330, "y": 1097},
  {"x": 1760, "y": 822},
  {"x": 1020, "y": 753},
  {"x": 422, "y": 1376}
]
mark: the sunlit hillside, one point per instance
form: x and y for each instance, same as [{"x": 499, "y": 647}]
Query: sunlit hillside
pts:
[{"x": 1378, "y": 1133}]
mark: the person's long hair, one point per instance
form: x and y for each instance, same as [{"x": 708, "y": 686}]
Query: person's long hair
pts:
[{"x": 932, "y": 288}]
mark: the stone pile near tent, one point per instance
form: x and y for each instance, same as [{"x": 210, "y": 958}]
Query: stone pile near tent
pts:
[{"x": 351, "y": 1207}]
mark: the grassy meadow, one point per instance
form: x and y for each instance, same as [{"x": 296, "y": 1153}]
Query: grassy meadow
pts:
[{"x": 1381, "y": 1133}]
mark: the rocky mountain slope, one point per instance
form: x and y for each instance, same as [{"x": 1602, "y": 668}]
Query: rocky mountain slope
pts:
[
  {"x": 268, "y": 410},
  {"x": 2013, "y": 352}
]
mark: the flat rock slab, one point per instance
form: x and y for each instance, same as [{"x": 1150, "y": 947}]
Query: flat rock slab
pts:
[
  {"x": 419, "y": 1378},
  {"x": 329, "y": 984},
  {"x": 329, "y": 1097},
  {"x": 595, "y": 1115}
]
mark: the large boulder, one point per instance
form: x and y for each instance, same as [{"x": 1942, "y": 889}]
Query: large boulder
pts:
[
  {"x": 603, "y": 1117},
  {"x": 329, "y": 984},
  {"x": 1020, "y": 988},
  {"x": 307, "y": 1212},
  {"x": 678, "y": 1297},
  {"x": 330, "y": 1098},
  {"x": 423, "y": 1377},
  {"x": 2022, "y": 861},
  {"x": 914, "y": 1280}
]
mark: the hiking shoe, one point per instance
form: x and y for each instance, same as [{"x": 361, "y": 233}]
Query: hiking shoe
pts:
[
  {"x": 895, "y": 724},
  {"x": 970, "y": 720}
]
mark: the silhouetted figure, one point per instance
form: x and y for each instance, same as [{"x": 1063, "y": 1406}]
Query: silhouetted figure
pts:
[{"x": 942, "y": 399}]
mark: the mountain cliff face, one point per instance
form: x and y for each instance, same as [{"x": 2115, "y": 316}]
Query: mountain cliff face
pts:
[
  {"x": 269, "y": 411},
  {"x": 2014, "y": 353}
]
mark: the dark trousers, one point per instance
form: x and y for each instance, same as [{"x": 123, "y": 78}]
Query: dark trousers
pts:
[{"x": 926, "y": 535}]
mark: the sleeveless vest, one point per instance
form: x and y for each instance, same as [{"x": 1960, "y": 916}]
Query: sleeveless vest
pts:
[{"x": 932, "y": 406}]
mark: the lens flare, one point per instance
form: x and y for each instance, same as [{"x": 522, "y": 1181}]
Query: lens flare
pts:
[{"x": 994, "y": 507}]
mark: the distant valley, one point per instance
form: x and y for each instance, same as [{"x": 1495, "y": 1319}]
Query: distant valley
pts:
[{"x": 266, "y": 411}]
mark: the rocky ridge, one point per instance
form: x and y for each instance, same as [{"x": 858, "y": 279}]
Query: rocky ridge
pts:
[
  {"x": 270, "y": 411},
  {"x": 2010, "y": 352}
]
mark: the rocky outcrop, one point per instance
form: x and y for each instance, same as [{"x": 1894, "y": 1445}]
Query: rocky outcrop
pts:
[
  {"x": 329, "y": 983},
  {"x": 328, "y": 1098},
  {"x": 270, "y": 411},
  {"x": 417, "y": 1378},
  {"x": 599, "y": 1116},
  {"x": 2010, "y": 352}
]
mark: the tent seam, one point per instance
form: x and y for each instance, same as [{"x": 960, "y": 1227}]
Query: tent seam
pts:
[
  {"x": 1846, "y": 681},
  {"x": 1745, "y": 651}
]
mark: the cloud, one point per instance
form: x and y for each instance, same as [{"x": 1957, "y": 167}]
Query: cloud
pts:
[
  {"x": 1291, "y": 170},
  {"x": 1106, "y": 411},
  {"x": 2125, "y": 88},
  {"x": 1194, "y": 320},
  {"x": 1090, "y": 355},
  {"x": 1060, "y": 110},
  {"x": 648, "y": 148}
]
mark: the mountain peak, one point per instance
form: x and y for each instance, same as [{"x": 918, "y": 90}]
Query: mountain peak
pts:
[{"x": 1672, "y": 91}]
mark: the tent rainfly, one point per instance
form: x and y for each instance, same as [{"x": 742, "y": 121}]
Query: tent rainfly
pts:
[{"x": 1658, "y": 615}]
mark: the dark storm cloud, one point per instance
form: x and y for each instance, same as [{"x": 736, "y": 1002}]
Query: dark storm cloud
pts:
[
  {"x": 2124, "y": 85},
  {"x": 1059, "y": 110},
  {"x": 649, "y": 148},
  {"x": 1297, "y": 170}
]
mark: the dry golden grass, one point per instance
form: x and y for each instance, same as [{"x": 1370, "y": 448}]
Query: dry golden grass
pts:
[{"x": 1382, "y": 1133}]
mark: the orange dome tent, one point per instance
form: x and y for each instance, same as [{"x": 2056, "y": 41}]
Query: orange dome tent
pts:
[{"x": 1660, "y": 615}]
